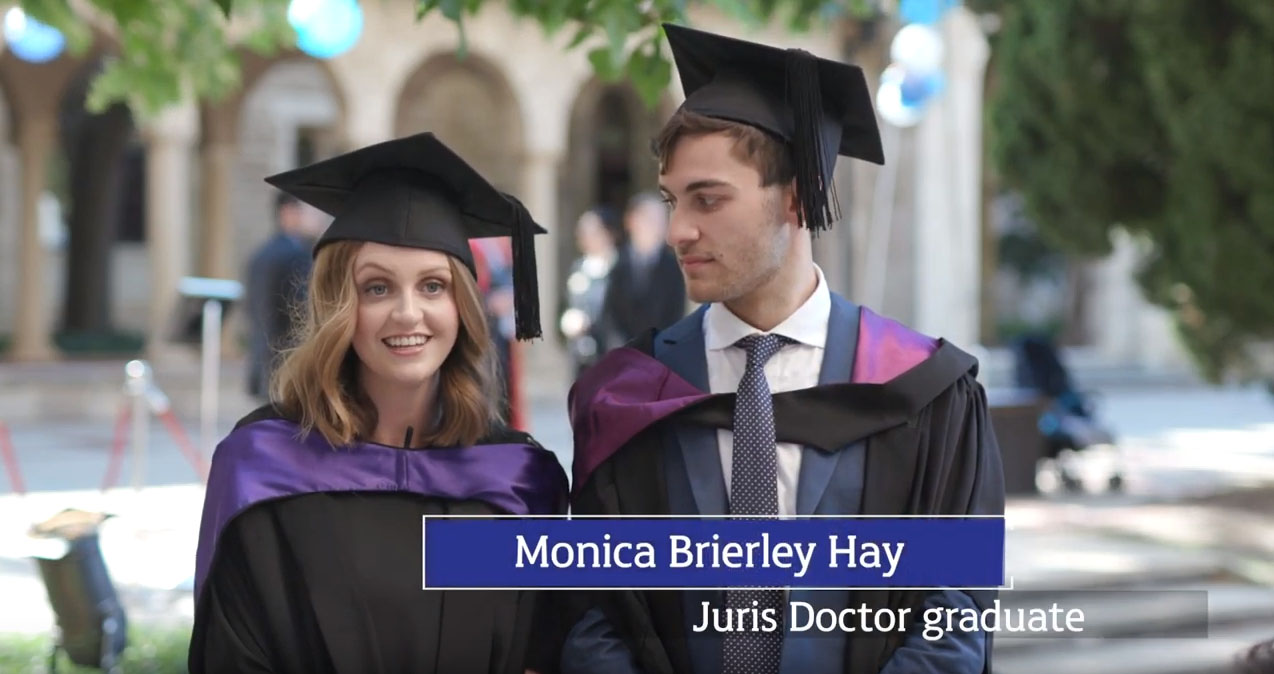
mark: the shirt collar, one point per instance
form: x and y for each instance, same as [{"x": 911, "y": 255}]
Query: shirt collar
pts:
[{"x": 807, "y": 325}]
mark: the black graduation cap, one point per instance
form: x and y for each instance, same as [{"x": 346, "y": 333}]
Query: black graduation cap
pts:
[
  {"x": 416, "y": 192},
  {"x": 821, "y": 108}
]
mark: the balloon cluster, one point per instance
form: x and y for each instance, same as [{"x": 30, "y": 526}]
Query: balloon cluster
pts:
[
  {"x": 325, "y": 28},
  {"x": 914, "y": 78},
  {"x": 31, "y": 40}
]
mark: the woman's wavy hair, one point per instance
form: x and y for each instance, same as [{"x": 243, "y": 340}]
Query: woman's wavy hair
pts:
[{"x": 317, "y": 383}]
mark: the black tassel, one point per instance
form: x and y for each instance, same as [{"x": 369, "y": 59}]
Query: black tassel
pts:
[
  {"x": 526, "y": 287},
  {"x": 819, "y": 206}
]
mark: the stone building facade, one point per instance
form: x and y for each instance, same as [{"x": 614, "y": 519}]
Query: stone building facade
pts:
[{"x": 533, "y": 117}]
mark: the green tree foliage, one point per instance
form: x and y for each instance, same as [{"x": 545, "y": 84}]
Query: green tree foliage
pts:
[
  {"x": 1154, "y": 117},
  {"x": 172, "y": 48},
  {"x": 164, "y": 51}
]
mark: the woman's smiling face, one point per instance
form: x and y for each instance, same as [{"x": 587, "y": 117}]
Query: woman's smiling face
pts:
[{"x": 407, "y": 320}]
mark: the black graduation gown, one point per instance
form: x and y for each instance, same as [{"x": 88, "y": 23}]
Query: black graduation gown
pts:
[
  {"x": 331, "y": 582},
  {"x": 930, "y": 450}
]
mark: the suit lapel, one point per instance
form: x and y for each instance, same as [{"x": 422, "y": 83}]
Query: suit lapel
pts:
[
  {"x": 693, "y": 450},
  {"x": 838, "y": 363},
  {"x": 681, "y": 348}
]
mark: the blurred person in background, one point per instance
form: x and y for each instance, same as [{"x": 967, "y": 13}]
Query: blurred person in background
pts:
[
  {"x": 384, "y": 413},
  {"x": 276, "y": 279},
  {"x": 645, "y": 289},
  {"x": 493, "y": 262},
  {"x": 585, "y": 291}
]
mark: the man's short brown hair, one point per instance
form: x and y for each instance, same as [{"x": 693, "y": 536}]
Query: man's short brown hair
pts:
[{"x": 756, "y": 148}]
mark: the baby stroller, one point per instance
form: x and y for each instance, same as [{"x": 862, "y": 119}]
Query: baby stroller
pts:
[{"x": 1070, "y": 423}]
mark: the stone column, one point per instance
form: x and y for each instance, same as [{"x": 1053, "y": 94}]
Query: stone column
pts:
[
  {"x": 545, "y": 361},
  {"x": 218, "y": 153},
  {"x": 32, "y": 330},
  {"x": 867, "y": 48},
  {"x": 834, "y": 249},
  {"x": 170, "y": 139},
  {"x": 216, "y": 220},
  {"x": 949, "y": 190},
  {"x": 1144, "y": 334},
  {"x": 393, "y": 45},
  {"x": 217, "y": 159},
  {"x": 35, "y": 125},
  {"x": 369, "y": 111}
]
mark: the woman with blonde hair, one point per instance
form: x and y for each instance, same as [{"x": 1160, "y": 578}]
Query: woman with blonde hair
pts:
[{"x": 310, "y": 547}]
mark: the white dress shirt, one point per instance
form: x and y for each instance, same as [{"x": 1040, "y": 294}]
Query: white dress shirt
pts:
[{"x": 795, "y": 366}]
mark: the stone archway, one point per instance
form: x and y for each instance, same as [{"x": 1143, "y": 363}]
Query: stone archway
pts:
[
  {"x": 608, "y": 156},
  {"x": 469, "y": 104},
  {"x": 290, "y": 115},
  {"x": 102, "y": 171}
]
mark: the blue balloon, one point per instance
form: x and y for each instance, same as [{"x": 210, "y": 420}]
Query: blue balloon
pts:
[
  {"x": 915, "y": 90},
  {"x": 31, "y": 40},
  {"x": 919, "y": 88},
  {"x": 328, "y": 28},
  {"x": 937, "y": 83},
  {"x": 924, "y": 11}
]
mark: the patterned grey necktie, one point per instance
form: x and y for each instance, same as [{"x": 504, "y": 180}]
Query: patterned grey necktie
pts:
[{"x": 754, "y": 491}]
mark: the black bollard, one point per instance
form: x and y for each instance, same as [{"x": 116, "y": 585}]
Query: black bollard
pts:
[{"x": 92, "y": 627}]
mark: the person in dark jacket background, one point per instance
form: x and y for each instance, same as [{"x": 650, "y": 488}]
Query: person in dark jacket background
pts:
[
  {"x": 584, "y": 293},
  {"x": 277, "y": 276},
  {"x": 646, "y": 289}
]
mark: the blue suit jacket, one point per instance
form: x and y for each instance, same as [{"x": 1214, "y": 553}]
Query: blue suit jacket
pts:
[{"x": 828, "y": 484}]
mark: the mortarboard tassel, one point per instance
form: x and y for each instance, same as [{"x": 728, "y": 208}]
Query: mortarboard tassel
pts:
[
  {"x": 804, "y": 96},
  {"x": 526, "y": 287}
]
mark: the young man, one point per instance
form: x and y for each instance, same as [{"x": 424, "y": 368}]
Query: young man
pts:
[{"x": 776, "y": 397}]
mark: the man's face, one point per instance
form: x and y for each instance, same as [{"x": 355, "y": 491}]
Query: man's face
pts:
[
  {"x": 591, "y": 236},
  {"x": 289, "y": 215},
  {"x": 647, "y": 226},
  {"x": 731, "y": 234}
]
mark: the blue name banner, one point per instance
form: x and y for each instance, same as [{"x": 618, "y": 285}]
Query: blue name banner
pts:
[{"x": 685, "y": 553}]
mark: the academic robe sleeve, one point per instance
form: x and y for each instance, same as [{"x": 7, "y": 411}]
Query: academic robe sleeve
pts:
[
  {"x": 953, "y": 653},
  {"x": 625, "y": 627},
  {"x": 231, "y": 634},
  {"x": 959, "y": 420},
  {"x": 594, "y": 646},
  {"x": 593, "y": 643}
]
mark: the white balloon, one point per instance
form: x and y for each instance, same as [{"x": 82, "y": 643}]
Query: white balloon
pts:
[
  {"x": 894, "y": 74},
  {"x": 917, "y": 47},
  {"x": 301, "y": 12}
]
